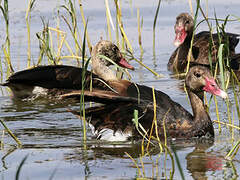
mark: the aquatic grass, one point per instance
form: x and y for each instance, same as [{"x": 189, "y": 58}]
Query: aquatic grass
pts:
[
  {"x": 232, "y": 153},
  {"x": 217, "y": 114},
  {"x": 61, "y": 41},
  {"x": 11, "y": 134},
  {"x": 223, "y": 51},
  {"x": 27, "y": 19},
  {"x": 192, "y": 40},
  {"x": 139, "y": 164},
  {"x": 157, "y": 139},
  {"x": 220, "y": 60},
  {"x": 120, "y": 25},
  {"x": 222, "y": 56},
  {"x": 139, "y": 127},
  {"x": 116, "y": 27},
  {"x": 70, "y": 8},
  {"x": 236, "y": 94},
  {"x": 84, "y": 70},
  {"x": 58, "y": 28},
  {"x": 211, "y": 42},
  {"x": 45, "y": 45},
  {"x": 191, "y": 7},
  {"x": 177, "y": 162},
  {"x": 118, "y": 15},
  {"x": 2, "y": 141},
  {"x": 154, "y": 25},
  {"x": 227, "y": 124},
  {"x": 109, "y": 20},
  {"x": 140, "y": 25},
  {"x": 131, "y": 56},
  {"x": 6, "y": 46},
  {"x": 20, "y": 167},
  {"x": 135, "y": 163},
  {"x": 155, "y": 118},
  {"x": 85, "y": 24},
  {"x": 1, "y": 69},
  {"x": 53, "y": 174}
]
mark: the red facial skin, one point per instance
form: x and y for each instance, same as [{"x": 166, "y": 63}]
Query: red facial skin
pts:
[
  {"x": 123, "y": 63},
  {"x": 181, "y": 35},
  {"x": 212, "y": 87}
]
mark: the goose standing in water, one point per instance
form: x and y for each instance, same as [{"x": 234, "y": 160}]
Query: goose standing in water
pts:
[
  {"x": 57, "y": 79},
  {"x": 113, "y": 121}
]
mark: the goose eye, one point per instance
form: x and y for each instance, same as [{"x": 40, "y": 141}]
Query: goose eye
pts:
[
  {"x": 197, "y": 74},
  {"x": 213, "y": 85}
]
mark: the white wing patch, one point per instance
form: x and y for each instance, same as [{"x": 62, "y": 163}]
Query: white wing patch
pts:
[
  {"x": 39, "y": 91},
  {"x": 109, "y": 135}
]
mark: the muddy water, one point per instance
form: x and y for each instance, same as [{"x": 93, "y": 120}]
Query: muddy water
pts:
[{"x": 52, "y": 137}]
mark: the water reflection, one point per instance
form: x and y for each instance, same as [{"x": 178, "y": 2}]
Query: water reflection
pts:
[
  {"x": 200, "y": 161},
  {"x": 44, "y": 124}
]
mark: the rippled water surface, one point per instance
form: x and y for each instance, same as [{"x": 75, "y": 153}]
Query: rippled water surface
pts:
[{"x": 52, "y": 137}]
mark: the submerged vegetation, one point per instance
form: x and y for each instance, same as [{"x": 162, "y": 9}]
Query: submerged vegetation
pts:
[{"x": 56, "y": 46}]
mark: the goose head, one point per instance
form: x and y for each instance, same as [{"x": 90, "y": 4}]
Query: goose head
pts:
[
  {"x": 101, "y": 65},
  {"x": 199, "y": 79},
  {"x": 183, "y": 28}
]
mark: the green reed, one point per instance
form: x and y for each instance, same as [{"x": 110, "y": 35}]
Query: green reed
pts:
[
  {"x": 152, "y": 139},
  {"x": 154, "y": 25},
  {"x": 140, "y": 25},
  {"x": 120, "y": 25},
  {"x": 109, "y": 20},
  {"x": 20, "y": 167},
  {"x": 222, "y": 56},
  {"x": 178, "y": 162},
  {"x": 236, "y": 93},
  {"x": 1, "y": 69},
  {"x": 131, "y": 56},
  {"x": 146, "y": 155},
  {"x": 11, "y": 134},
  {"x": 45, "y": 45},
  {"x": 192, "y": 40},
  {"x": 223, "y": 59},
  {"x": 84, "y": 70},
  {"x": 72, "y": 25},
  {"x": 232, "y": 153},
  {"x": 28, "y": 18},
  {"x": 6, "y": 46},
  {"x": 84, "y": 23}
]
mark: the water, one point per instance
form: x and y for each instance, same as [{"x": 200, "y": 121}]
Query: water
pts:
[{"x": 52, "y": 137}]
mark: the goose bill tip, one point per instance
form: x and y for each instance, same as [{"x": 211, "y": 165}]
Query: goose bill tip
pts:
[
  {"x": 177, "y": 43},
  {"x": 223, "y": 94}
]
